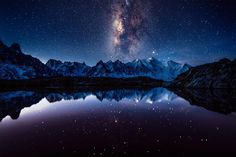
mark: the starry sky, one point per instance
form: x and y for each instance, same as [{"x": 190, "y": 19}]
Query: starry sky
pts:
[{"x": 192, "y": 31}]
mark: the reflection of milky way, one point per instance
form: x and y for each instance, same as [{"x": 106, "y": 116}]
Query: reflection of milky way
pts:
[{"x": 129, "y": 23}]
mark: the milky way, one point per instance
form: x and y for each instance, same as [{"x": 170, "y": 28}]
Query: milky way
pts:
[
  {"x": 129, "y": 27},
  {"x": 192, "y": 31}
]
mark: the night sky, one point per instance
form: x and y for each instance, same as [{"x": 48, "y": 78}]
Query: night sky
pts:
[{"x": 192, "y": 31}]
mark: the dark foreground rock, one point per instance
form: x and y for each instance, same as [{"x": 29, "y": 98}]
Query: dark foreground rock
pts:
[
  {"x": 217, "y": 100},
  {"x": 15, "y": 65},
  {"x": 221, "y": 74}
]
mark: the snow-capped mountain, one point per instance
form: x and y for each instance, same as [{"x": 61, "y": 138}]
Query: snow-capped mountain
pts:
[
  {"x": 16, "y": 65},
  {"x": 68, "y": 68},
  {"x": 174, "y": 69},
  {"x": 147, "y": 67}
]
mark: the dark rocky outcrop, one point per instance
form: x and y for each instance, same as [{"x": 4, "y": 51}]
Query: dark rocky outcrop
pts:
[
  {"x": 16, "y": 65},
  {"x": 217, "y": 100},
  {"x": 221, "y": 74}
]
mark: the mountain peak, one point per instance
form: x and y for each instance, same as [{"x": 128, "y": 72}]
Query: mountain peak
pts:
[
  {"x": 100, "y": 62},
  {"x": 118, "y": 61},
  {"x": 2, "y": 46},
  {"x": 16, "y": 47},
  {"x": 224, "y": 60},
  {"x": 138, "y": 62},
  {"x": 187, "y": 65},
  {"x": 171, "y": 62},
  {"x": 109, "y": 62},
  {"x": 53, "y": 61},
  {"x": 150, "y": 67}
]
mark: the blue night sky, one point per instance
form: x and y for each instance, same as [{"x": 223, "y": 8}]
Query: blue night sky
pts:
[{"x": 192, "y": 31}]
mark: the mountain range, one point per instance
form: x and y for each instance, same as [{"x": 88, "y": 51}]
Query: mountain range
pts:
[
  {"x": 16, "y": 65},
  {"x": 221, "y": 101},
  {"x": 151, "y": 67}
]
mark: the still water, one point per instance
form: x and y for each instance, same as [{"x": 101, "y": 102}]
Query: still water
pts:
[{"x": 118, "y": 122}]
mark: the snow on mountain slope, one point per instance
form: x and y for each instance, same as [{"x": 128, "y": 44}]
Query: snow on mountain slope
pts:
[
  {"x": 68, "y": 68},
  {"x": 147, "y": 67},
  {"x": 10, "y": 71},
  {"x": 16, "y": 65}
]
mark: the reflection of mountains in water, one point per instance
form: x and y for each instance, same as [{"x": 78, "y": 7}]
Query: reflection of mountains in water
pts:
[
  {"x": 154, "y": 95},
  {"x": 11, "y": 103},
  {"x": 217, "y": 100}
]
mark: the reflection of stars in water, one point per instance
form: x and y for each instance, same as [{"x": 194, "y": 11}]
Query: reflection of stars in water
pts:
[{"x": 122, "y": 116}]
